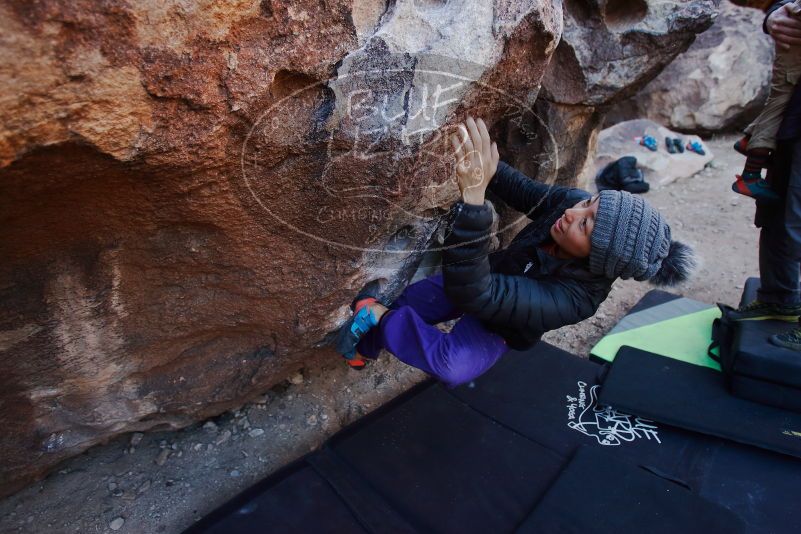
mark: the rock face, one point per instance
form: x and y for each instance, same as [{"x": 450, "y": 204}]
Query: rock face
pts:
[
  {"x": 719, "y": 84},
  {"x": 660, "y": 167},
  {"x": 609, "y": 50},
  {"x": 191, "y": 193}
]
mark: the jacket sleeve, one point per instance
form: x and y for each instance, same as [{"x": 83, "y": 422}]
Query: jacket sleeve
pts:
[
  {"x": 526, "y": 195},
  {"x": 507, "y": 300}
]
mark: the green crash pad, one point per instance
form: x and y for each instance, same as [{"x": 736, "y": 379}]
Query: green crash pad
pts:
[{"x": 665, "y": 324}]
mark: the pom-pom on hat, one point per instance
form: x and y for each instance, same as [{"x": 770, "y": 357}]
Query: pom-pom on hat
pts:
[{"x": 631, "y": 239}]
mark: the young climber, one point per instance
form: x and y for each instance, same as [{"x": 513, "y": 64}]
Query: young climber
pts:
[
  {"x": 555, "y": 272},
  {"x": 759, "y": 141}
]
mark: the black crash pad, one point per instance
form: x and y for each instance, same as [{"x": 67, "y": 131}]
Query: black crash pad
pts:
[
  {"x": 695, "y": 398},
  {"x": 761, "y": 371},
  {"x": 638, "y": 501},
  {"x": 479, "y": 458}
]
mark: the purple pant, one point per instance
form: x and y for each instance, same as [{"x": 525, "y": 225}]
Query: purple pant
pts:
[{"x": 407, "y": 331}]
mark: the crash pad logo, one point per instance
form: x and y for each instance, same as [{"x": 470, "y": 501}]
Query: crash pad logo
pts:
[{"x": 606, "y": 425}]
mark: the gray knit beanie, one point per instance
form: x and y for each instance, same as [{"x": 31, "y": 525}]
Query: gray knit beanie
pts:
[{"x": 630, "y": 239}]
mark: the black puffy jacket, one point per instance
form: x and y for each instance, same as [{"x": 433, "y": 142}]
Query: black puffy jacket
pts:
[{"x": 519, "y": 292}]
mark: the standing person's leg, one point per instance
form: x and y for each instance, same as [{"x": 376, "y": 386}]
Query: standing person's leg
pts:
[
  {"x": 778, "y": 271},
  {"x": 792, "y": 206},
  {"x": 780, "y": 246},
  {"x": 427, "y": 298},
  {"x": 792, "y": 231}
]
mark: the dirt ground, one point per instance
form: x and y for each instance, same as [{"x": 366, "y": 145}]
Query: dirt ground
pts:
[{"x": 164, "y": 481}]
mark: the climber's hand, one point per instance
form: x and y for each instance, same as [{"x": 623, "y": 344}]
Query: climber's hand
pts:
[
  {"x": 476, "y": 160},
  {"x": 784, "y": 27}
]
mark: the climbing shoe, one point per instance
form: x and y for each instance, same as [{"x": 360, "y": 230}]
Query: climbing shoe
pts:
[
  {"x": 697, "y": 147},
  {"x": 679, "y": 144},
  {"x": 763, "y": 311},
  {"x": 648, "y": 142},
  {"x": 671, "y": 147},
  {"x": 357, "y": 363},
  {"x": 789, "y": 340},
  {"x": 741, "y": 146},
  {"x": 755, "y": 188},
  {"x": 352, "y": 331},
  {"x": 363, "y": 319}
]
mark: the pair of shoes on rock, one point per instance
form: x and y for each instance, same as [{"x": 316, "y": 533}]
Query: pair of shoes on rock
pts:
[
  {"x": 755, "y": 187},
  {"x": 362, "y": 320},
  {"x": 674, "y": 145}
]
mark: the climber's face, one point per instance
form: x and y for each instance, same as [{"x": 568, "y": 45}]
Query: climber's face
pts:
[{"x": 572, "y": 230}]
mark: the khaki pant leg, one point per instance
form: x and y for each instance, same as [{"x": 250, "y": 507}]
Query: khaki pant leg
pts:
[{"x": 786, "y": 70}]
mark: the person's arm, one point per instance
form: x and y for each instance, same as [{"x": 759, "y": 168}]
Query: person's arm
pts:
[
  {"x": 525, "y": 195},
  {"x": 782, "y": 25},
  {"x": 514, "y": 301}
]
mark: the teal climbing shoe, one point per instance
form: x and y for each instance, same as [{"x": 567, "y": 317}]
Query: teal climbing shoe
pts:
[{"x": 352, "y": 331}]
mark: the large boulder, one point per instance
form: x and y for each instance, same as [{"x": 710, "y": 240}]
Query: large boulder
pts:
[
  {"x": 191, "y": 193},
  {"x": 609, "y": 50},
  {"x": 718, "y": 84}
]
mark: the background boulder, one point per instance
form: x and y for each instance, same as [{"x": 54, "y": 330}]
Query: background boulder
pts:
[
  {"x": 719, "y": 84},
  {"x": 192, "y": 193},
  {"x": 609, "y": 50}
]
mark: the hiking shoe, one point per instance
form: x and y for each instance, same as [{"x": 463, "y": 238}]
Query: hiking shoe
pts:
[
  {"x": 671, "y": 147},
  {"x": 789, "y": 340},
  {"x": 755, "y": 188},
  {"x": 679, "y": 144},
  {"x": 762, "y": 311}
]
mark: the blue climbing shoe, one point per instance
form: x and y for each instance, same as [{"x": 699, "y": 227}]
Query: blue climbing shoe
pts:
[
  {"x": 757, "y": 188},
  {"x": 363, "y": 319},
  {"x": 352, "y": 331},
  {"x": 648, "y": 142},
  {"x": 697, "y": 147},
  {"x": 741, "y": 145}
]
